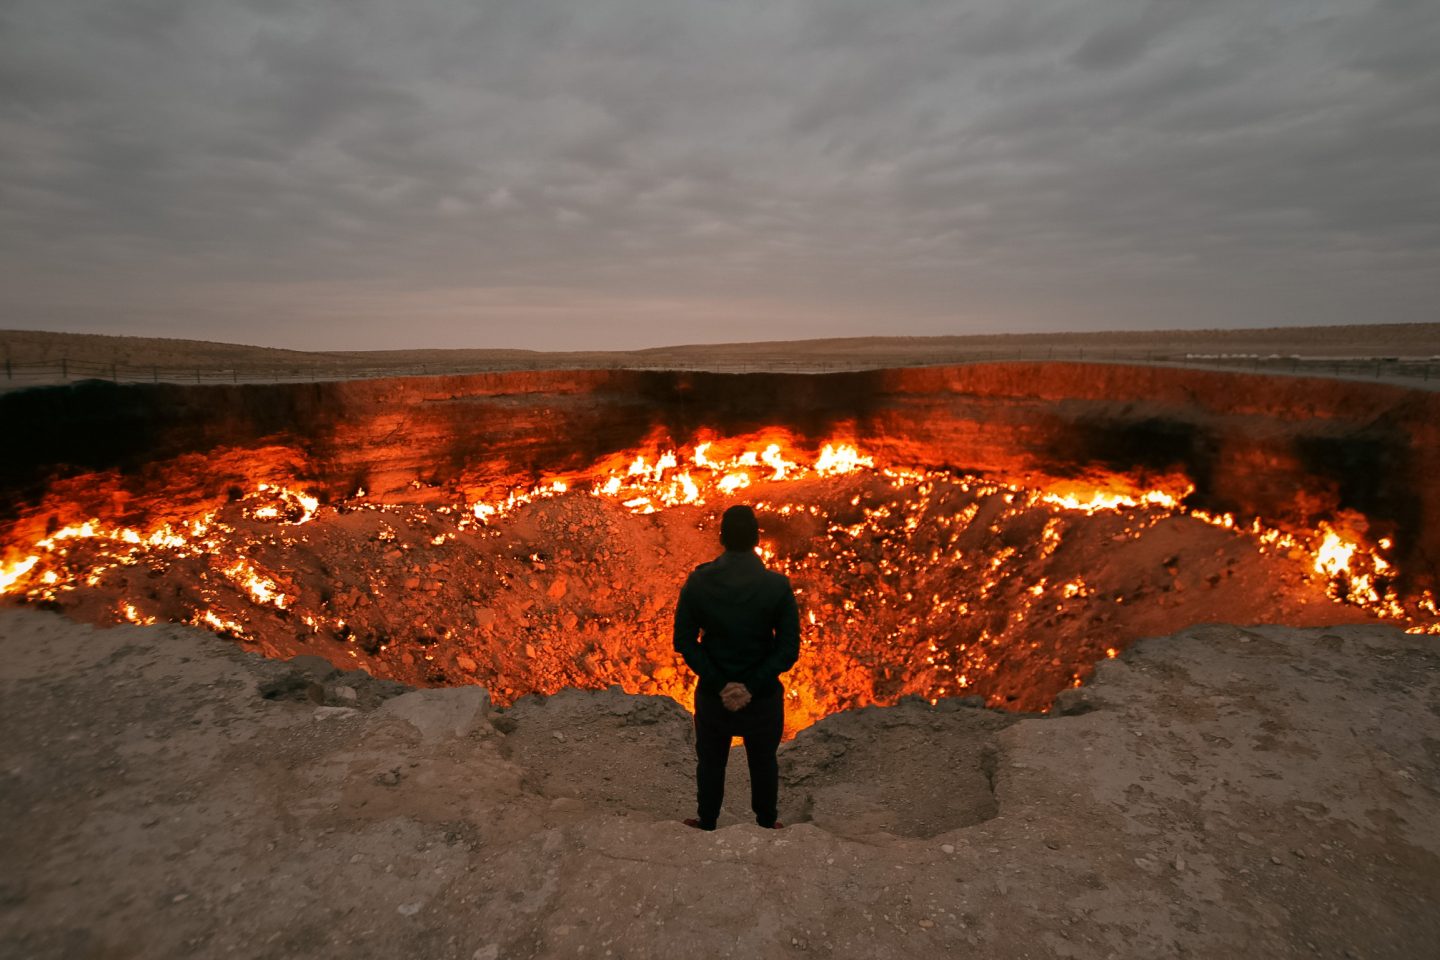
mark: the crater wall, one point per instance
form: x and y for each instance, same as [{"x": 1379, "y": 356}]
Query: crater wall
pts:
[{"x": 1292, "y": 450}]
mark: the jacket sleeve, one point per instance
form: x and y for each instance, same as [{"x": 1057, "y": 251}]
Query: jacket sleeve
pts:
[
  {"x": 787, "y": 644},
  {"x": 687, "y": 638}
]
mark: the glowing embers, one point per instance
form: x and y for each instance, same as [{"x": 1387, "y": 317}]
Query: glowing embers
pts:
[
  {"x": 97, "y": 556},
  {"x": 911, "y": 581},
  {"x": 271, "y": 502}
]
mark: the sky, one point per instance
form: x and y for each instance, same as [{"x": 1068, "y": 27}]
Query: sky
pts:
[{"x": 551, "y": 174}]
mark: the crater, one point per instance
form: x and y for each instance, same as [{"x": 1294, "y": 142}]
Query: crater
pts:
[{"x": 988, "y": 530}]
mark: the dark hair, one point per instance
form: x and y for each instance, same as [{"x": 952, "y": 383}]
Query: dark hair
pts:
[{"x": 739, "y": 530}]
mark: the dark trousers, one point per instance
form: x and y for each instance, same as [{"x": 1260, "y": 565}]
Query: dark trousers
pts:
[{"x": 760, "y": 723}]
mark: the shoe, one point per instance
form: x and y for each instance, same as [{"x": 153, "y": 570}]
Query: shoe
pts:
[
  {"x": 777, "y": 825},
  {"x": 695, "y": 824}
]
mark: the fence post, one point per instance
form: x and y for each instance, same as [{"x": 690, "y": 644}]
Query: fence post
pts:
[
  {"x": 64, "y": 369},
  {"x": 10, "y": 374},
  {"x": 113, "y": 377},
  {"x": 234, "y": 377},
  {"x": 155, "y": 373},
  {"x": 197, "y": 376}
]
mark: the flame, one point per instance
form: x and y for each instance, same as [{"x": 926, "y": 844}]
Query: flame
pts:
[
  {"x": 733, "y": 481},
  {"x": 858, "y": 574},
  {"x": 1333, "y": 556},
  {"x": 840, "y": 459},
  {"x": 11, "y": 573},
  {"x": 285, "y": 504},
  {"x": 647, "y": 485},
  {"x": 1093, "y": 501},
  {"x": 261, "y": 588}
]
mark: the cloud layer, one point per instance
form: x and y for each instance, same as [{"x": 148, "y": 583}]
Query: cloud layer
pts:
[{"x": 549, "y": 174}]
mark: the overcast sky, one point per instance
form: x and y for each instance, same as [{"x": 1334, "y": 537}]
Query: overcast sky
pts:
[{"x": 619, "y": 173}]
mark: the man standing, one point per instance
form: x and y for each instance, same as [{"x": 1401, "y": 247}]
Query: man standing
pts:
[{"x": 738, "y": 628}]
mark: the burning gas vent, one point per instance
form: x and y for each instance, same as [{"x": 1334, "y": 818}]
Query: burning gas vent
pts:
[{"x": 913, "y": 580}]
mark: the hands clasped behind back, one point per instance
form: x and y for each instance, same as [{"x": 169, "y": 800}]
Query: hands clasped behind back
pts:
[{"x": 735, "y": 696}]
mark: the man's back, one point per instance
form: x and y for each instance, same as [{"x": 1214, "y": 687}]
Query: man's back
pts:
[
  {"x": 748, "y": 620},
  {"x": 738, "y": 627}
]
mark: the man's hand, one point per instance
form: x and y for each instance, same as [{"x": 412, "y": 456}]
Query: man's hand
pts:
[{"x": 735, "y": 696}]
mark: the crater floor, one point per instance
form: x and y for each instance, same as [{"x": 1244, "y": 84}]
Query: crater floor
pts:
[{"x": 1224, "y": 791}]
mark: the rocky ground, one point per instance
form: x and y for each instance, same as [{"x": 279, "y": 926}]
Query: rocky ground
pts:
[{"x": 1221, "y": 792}]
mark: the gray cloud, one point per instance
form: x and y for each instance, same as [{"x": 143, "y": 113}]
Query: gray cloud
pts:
[{"x": 551, "y": 174}]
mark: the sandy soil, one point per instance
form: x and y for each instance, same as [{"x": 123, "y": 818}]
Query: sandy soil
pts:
[{"x": 1221, "y": 792}]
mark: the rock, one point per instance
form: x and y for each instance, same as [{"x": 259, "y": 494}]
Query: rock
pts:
[
  {"x": 1073, "y": 701},
  {"x": 558, "y": 736},
  {"x": 316, "y": 668},
  {"x": 408, "y": 909},
  {"x": 465, "y": 663},
  {"x": 926, "y": 923},
  {"x": 335, "y": 713},
  {"x": 484, "y": 616},
  {"x": 442, "y": 713},
  {"x": 557, "y": 589},
  {"x": 412, "y": 583},
  {"x": 296, "y": 679},
  {"x": 342, "y": 696},
  {"x": 947, "y": 848},
  {"x": 490, "y": 951},
  {"x": 390, "y": 778}
]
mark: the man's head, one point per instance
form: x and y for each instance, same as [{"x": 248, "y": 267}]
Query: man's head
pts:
[{"x": 739, "y": 530}]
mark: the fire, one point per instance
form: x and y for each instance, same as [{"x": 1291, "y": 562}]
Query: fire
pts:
[
  {"x": 835, "y": 460},
  {"x": 11, "y": 573},
  {"x": 647, "y": 486},
  {"x": 733, "y": 481},
  {"x": 261, "y": 588},
  {"x": 910, "y": 580},
  {"x": 1334, "y": 554}
]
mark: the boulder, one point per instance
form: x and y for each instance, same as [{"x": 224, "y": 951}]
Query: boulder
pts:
[{"x": 443, "y": 713}]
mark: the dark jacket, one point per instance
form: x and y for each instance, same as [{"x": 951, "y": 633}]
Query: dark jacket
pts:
[{"x": 737, "y": 621}]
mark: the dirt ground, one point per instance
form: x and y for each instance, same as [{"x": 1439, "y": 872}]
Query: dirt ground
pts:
[
  {"x": 1224, "y": 791},
  {"x": 1411, "y": 353}
]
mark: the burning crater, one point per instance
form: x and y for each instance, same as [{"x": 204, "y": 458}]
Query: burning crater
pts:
[{"x": 990, "y": 531}]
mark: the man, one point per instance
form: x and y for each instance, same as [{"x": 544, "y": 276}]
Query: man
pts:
[{"x": 738, "y": 628}]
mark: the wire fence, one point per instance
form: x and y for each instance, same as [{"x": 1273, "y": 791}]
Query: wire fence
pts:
[{"x": 23, "y": 374}]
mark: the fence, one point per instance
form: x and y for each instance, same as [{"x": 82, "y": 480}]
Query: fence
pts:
[{"x": 21, "y": 374}]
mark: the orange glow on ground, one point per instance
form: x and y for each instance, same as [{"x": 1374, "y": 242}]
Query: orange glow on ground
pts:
[{"x": 911, "y": 582}]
